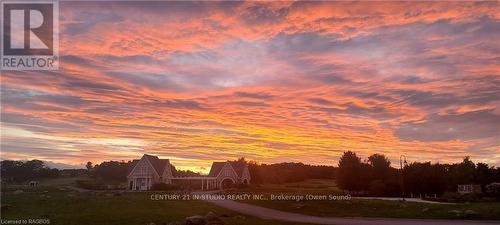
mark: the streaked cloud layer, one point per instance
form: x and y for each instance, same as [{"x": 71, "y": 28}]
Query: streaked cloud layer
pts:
[{"x": 272, "y": 81}]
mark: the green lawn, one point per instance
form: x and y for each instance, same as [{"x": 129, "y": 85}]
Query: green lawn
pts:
[
  {"x": 365, "y": 208},
  {"x": 53, "y": 200},
  {"x": 62, "y": 181},
  {"x": 381, "y": 208},
  {"x": 71, "y": 207}
]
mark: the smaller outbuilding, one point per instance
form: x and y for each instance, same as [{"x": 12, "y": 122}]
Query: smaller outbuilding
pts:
[{"x": 469, "y": 188}]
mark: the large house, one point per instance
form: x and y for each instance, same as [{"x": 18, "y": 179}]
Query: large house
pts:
[
  {"x": 150, "y": 169},
  {"x": 227, "y": 173}
]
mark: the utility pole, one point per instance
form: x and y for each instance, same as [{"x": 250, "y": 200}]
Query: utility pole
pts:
[{"x": 402, "y": 160}]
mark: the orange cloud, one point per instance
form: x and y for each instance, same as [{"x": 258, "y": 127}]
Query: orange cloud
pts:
[{"x": 272, "y": 81}]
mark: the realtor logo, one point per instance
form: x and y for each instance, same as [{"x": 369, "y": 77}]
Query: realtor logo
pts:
[{"x": 30, "y": 35}]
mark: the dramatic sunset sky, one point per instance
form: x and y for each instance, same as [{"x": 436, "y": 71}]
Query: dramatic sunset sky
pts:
[{"x": 274, "y": 82}]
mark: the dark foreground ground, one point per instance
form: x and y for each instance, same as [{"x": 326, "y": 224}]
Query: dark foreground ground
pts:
[
  {"x": 61, "y": 203},
  {"x": 68, "y": 207}
]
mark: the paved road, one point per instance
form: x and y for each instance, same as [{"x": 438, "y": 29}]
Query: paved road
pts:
[{"x": 272, "y": 214}]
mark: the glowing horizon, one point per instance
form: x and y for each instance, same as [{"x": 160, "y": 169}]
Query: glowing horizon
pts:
[{"x": 198, "y": 82}]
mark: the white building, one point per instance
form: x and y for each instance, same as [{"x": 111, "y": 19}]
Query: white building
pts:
[
  {"x": 228, "y": 173},
  {"x": 469, "y": 188},
  {"x": 147, "y": 171},
  {"x": 150, "y": 169}
]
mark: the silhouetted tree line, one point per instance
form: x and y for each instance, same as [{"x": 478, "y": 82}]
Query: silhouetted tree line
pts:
[
  {"x": 118, "y": 171},
  {"x": 376, "y": 176},
  {"x": 288, "y": 172},
  {"x": 114, "y": 171},
  {"x": 111, "y": 170},
  {"x": 184, "y": 173},
  {"x": 19, "y": 171}
]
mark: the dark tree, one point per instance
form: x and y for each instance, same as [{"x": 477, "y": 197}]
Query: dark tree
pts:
[
  {"x": 350, "y": 172},
  {"x": 255, "y": 172},
  {"x": 381, "y": 166},
  {"x": 89, "y": 166},
  {"x": 112, "y": 170},
  {"x": 425, "y": 178},
  {"x": 496, "y": 175},
  {"x": 465, "y": 171},
  {"x": 483, "y": 174},
  {"x": 20, "y": 171},
  {"x": 287, "y": 172}
]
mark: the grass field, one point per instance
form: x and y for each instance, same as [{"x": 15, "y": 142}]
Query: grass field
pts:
[
  {"x": 51, "y": 200},
  {"x": 366, "y": 208},
  {"x": 389, "y": 209},
  {"x": 62, "y": 205}
]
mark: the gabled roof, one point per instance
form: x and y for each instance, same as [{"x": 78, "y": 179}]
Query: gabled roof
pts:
[
  {"x": 216, "y": 168},
  {"x": 158, "y": 164},
  {"x": 132, "y": 165},
  {"x": 238, "y": 167}
]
